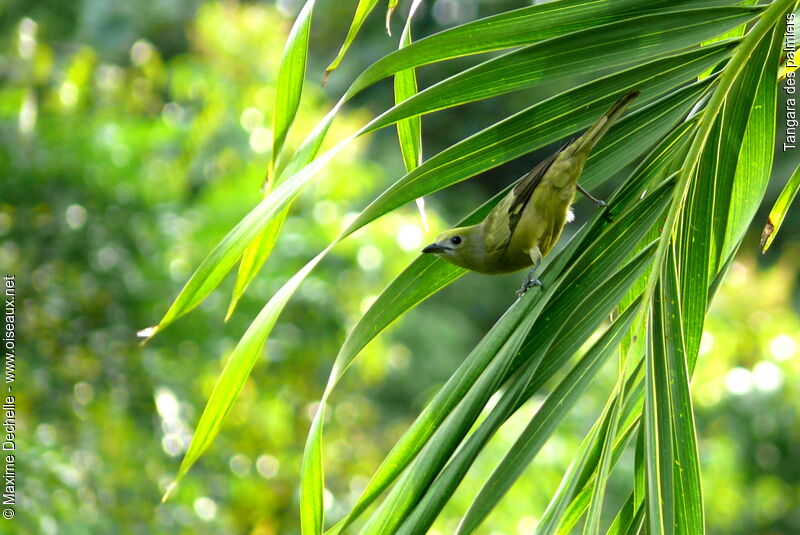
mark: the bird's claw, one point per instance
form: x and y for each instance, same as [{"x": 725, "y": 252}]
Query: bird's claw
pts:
[
  {"x": 600, "y": 203},
  {"x": 527, "y": 284}
]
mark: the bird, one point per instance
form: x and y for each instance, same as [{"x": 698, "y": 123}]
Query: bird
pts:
[{"x": 525, "y": 225}]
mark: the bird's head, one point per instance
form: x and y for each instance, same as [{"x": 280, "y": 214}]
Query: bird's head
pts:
[{"x": 461, "y": 246}]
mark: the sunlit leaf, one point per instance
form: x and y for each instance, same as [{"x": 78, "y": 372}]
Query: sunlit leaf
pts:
[
  {"x": 237, "y": 368},
  {"x": 291, "y": 76},
  {"x": 558, "y": 404},
  {"x": 779, "y": 210},
  {"x": 516, "y": 28},
  {"x": 409, "y": 131},
  {"x": 363, "y": 9},
  {"x": 253, "y": 258},
  {"x": 600, "y": 48}
]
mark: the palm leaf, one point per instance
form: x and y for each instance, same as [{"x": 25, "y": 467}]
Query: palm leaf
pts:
[{"x": 701, "y": 137}]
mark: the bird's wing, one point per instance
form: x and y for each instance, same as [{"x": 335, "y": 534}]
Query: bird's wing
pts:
[{"x": 502, "y": 220}]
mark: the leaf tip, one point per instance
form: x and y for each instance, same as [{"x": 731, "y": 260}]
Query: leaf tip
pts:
[
  {"x": 769, "y": 228},
  {"x": 422, "y": 214},
  {"x": 231, "y": 308},
  {"x": 325, "y": 76},
  {"x": 147, "y": 333},
  {"x": 170, "y": 490},
  {"x": 389, "y": 20}
]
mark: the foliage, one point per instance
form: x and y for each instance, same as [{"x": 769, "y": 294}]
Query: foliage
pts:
[{"x": 123, "y": 174}]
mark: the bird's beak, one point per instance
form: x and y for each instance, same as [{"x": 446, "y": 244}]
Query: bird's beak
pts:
[{"x": 435, "y": 248}]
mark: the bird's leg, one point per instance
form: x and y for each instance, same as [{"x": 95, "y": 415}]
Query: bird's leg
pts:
[
  {"x": 595, "y": 200},
  {"x": 530, "y": 281},
  {"x": 598, "y": 202}
]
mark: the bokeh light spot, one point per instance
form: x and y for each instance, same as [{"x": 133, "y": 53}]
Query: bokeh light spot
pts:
[
  {"x": 409, "y": 237},
  {"x": 370, "y": 257},
  {"x": 261, "y": 139},
  {"x": 767, "y": 456},
  {"x": 68, "y": 94},
  {"x": 267, "y": 466},
  {"x": 166, "y": 403},
  {"x": 739, "y": 381},
  {"x": 706, "y": 343},
  {"x": 75, "y": 216},
  {"x": 205, "y": 508},
  {"x": 240, "y": 465},
  {"x": 325, "y": 212},
  {"x": 27, "y": 38},
  {"x": 783, "y": 347},
  {"x": 327, "y": 499},
  {"x": 251, "y": 119},
  {"x": 767, "y": 377},
  {"x": 46, "y": 433},
  {"x": 527, "y": 525},
  {"x": 173, "y": 113},
  {"x": 84, "y": 393},
  {"x": 141, "y": 52}
]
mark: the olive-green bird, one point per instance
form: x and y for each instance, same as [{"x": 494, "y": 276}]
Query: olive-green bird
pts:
[{"x": 527, "y": 223}]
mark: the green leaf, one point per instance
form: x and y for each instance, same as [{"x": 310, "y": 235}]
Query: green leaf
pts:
[
  {"x": 599, "y": 48},
  {"x": 736, "y": 32},
  {"x": 629, "y": 519},
  {"x": 673, "y": 474},
  {"x": 289, "y": 89},
  {"x": 686, "y": 470},
  {"x": 755, "y": 158},
  {"x": 363, "y": 9},
  {"x": 779, "y": 210},
  {"x": 474, "y": 366},
  {"x": 569, "y": 487},
  {"x": 720, "y": 182},
  {"x": 425, "y": 276},
  {"x": 312, "y": 481},
  {"x": 291, "y": 76},
  {"x": 409, "y": 131},
  {"x": 517, "y": 28},
  {"x": 253, "y": 258},
  {"x": 659, "y": 445},
  {"x": 217, "y": 264},
  {"x": 568, "y": 505},
  {"x": 431, "y": 459},
  {"x": 582, "y": 473},
  {"x": 237, "y": 368},
  {"x": 560, "y": 401},
  {"x": 389, "y": 10}
]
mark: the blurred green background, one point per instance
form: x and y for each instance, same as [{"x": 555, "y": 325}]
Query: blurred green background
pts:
[{"x": 133, "y": 136}]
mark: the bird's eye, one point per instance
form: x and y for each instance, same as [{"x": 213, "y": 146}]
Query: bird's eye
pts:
[{"x": 455, "y": 240}]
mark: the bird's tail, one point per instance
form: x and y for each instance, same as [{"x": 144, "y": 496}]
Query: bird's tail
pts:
[{"x": 596, "y": 132}]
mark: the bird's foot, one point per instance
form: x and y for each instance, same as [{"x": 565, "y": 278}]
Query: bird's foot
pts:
[
  {"x": 527, "y": 284},
  {"x": 597, "y": 202}
]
